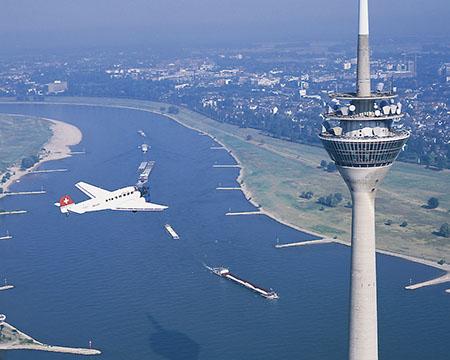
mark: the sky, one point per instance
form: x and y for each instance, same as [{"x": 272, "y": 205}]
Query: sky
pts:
[{"x": 75, "y": 23}]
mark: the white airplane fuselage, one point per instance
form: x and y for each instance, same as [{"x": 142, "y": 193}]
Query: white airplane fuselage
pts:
[
  {"x": 126, "y": 199},
  {"x": 115, "y": 199}
]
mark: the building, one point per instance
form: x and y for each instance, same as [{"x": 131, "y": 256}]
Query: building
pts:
[
  {"x": 359, "y": 135},
  {"x": 444, "y": 71},
  {"x": 57, "y": 87}
]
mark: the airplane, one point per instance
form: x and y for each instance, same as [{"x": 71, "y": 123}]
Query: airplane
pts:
[{"x": 129, "y": 198}]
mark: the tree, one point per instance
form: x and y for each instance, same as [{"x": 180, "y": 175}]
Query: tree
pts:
[
  {"x": 444, "y": 230},
  {"x": 331, "y": 167},
  {"x": 323, "y": 164},
  {"x": 433, "y": 203},
  {"x": 306, "y": 195},
  {"x": 404, "y": 224},
  {"x": 28, "y": 162},
  {"x": 331, "y": 200},
  {"x": 173, "y": 110},
  {"x": 248, "y": 137},
  {"x": 6, "y": 177},
  {"x": 441, "y": 162}
]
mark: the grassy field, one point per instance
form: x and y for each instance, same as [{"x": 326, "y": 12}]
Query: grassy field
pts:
[
  {"x": 21, "y": 136},
  {"x": 277, "y": 171}
]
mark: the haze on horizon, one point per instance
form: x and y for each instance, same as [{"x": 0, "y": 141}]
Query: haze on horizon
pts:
[{"x": 67, "y": 23}]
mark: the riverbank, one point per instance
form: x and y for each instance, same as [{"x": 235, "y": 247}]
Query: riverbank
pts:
[
  {"x": 13, "y": 339},
  {"x": 58, "y": 147},
  {"x": 273, "y": 173},
  {"x": 321, "y": 237}
]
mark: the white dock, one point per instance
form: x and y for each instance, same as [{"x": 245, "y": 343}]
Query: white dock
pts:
[
  {"x": 217, "y": 148},
  {"x": 172, "y": 232},
  {"x": 6, "y": 237},
  {"x": 47, "y": 171},
  {"x": 83, "y": 152},
  {"x": 235, "y": 166},
  {"x": 13, "y": 212},
  {"x": 39, "y": 192},
  {"x": 244, "y": 213},
  {"x": 305, "y": 243},
  {"x": 6, "y": 287},
  {"x": 228, "y": 188}
]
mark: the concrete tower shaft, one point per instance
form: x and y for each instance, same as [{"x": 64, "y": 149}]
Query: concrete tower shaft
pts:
[{"x": 363, "y": 328}]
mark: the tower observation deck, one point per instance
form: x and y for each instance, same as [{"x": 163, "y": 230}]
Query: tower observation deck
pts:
[{"x": 361, "y": 135}]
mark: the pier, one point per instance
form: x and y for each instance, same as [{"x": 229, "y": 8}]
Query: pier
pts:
[
  {"x": 6, "y": 287},
  {"x": 228, "y": 188},
  {"x": 233, "y": 166},
  {"x": 440, "y": 280},
  {"x": 244, "y": 213},
  {"x": 172, "y": 232},
  {"x": 13, "y": 212},
  {"x": 47, "y": 171},
  {"x": 217, "y": 148},
  {"x": 38, "y": 192},
  {"x": 6, "y": 237},
  {"x": 13, "y": 339},
  {"x": 77, "y": 153},
  {"x": 305, "y": 243}
]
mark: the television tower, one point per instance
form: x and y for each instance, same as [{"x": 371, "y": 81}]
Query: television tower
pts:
[{"x": 360, "y": 135}]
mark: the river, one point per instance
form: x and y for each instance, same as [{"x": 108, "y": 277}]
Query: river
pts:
[{"x": 119, "y": 280}]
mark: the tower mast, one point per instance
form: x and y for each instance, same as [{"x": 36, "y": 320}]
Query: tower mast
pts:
[{"x": 363, "y": 82}]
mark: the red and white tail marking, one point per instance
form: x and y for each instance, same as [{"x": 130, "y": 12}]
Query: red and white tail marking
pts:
[{"x": 65, "y": 201}]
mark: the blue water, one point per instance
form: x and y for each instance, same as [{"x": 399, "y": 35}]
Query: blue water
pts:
[{"x": 119, "y": 280}]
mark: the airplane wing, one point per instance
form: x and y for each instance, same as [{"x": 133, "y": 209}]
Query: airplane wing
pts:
[
  {"x": 139, "y": 205},
  {"x": 91, "y": 190}
]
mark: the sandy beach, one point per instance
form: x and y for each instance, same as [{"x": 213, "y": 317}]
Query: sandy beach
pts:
[{"x": 58, "y": 147}]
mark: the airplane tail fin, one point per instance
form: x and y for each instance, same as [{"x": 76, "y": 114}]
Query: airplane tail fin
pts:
[{"x": 65, "y": 203}]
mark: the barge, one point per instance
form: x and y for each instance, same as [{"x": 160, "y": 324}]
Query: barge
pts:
[
  {"x": 225, "y": 273},
  {"x": 172, "y": 232}
]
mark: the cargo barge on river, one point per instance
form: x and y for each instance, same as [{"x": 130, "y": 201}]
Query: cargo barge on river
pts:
[{"x": 225, "y": 273}]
